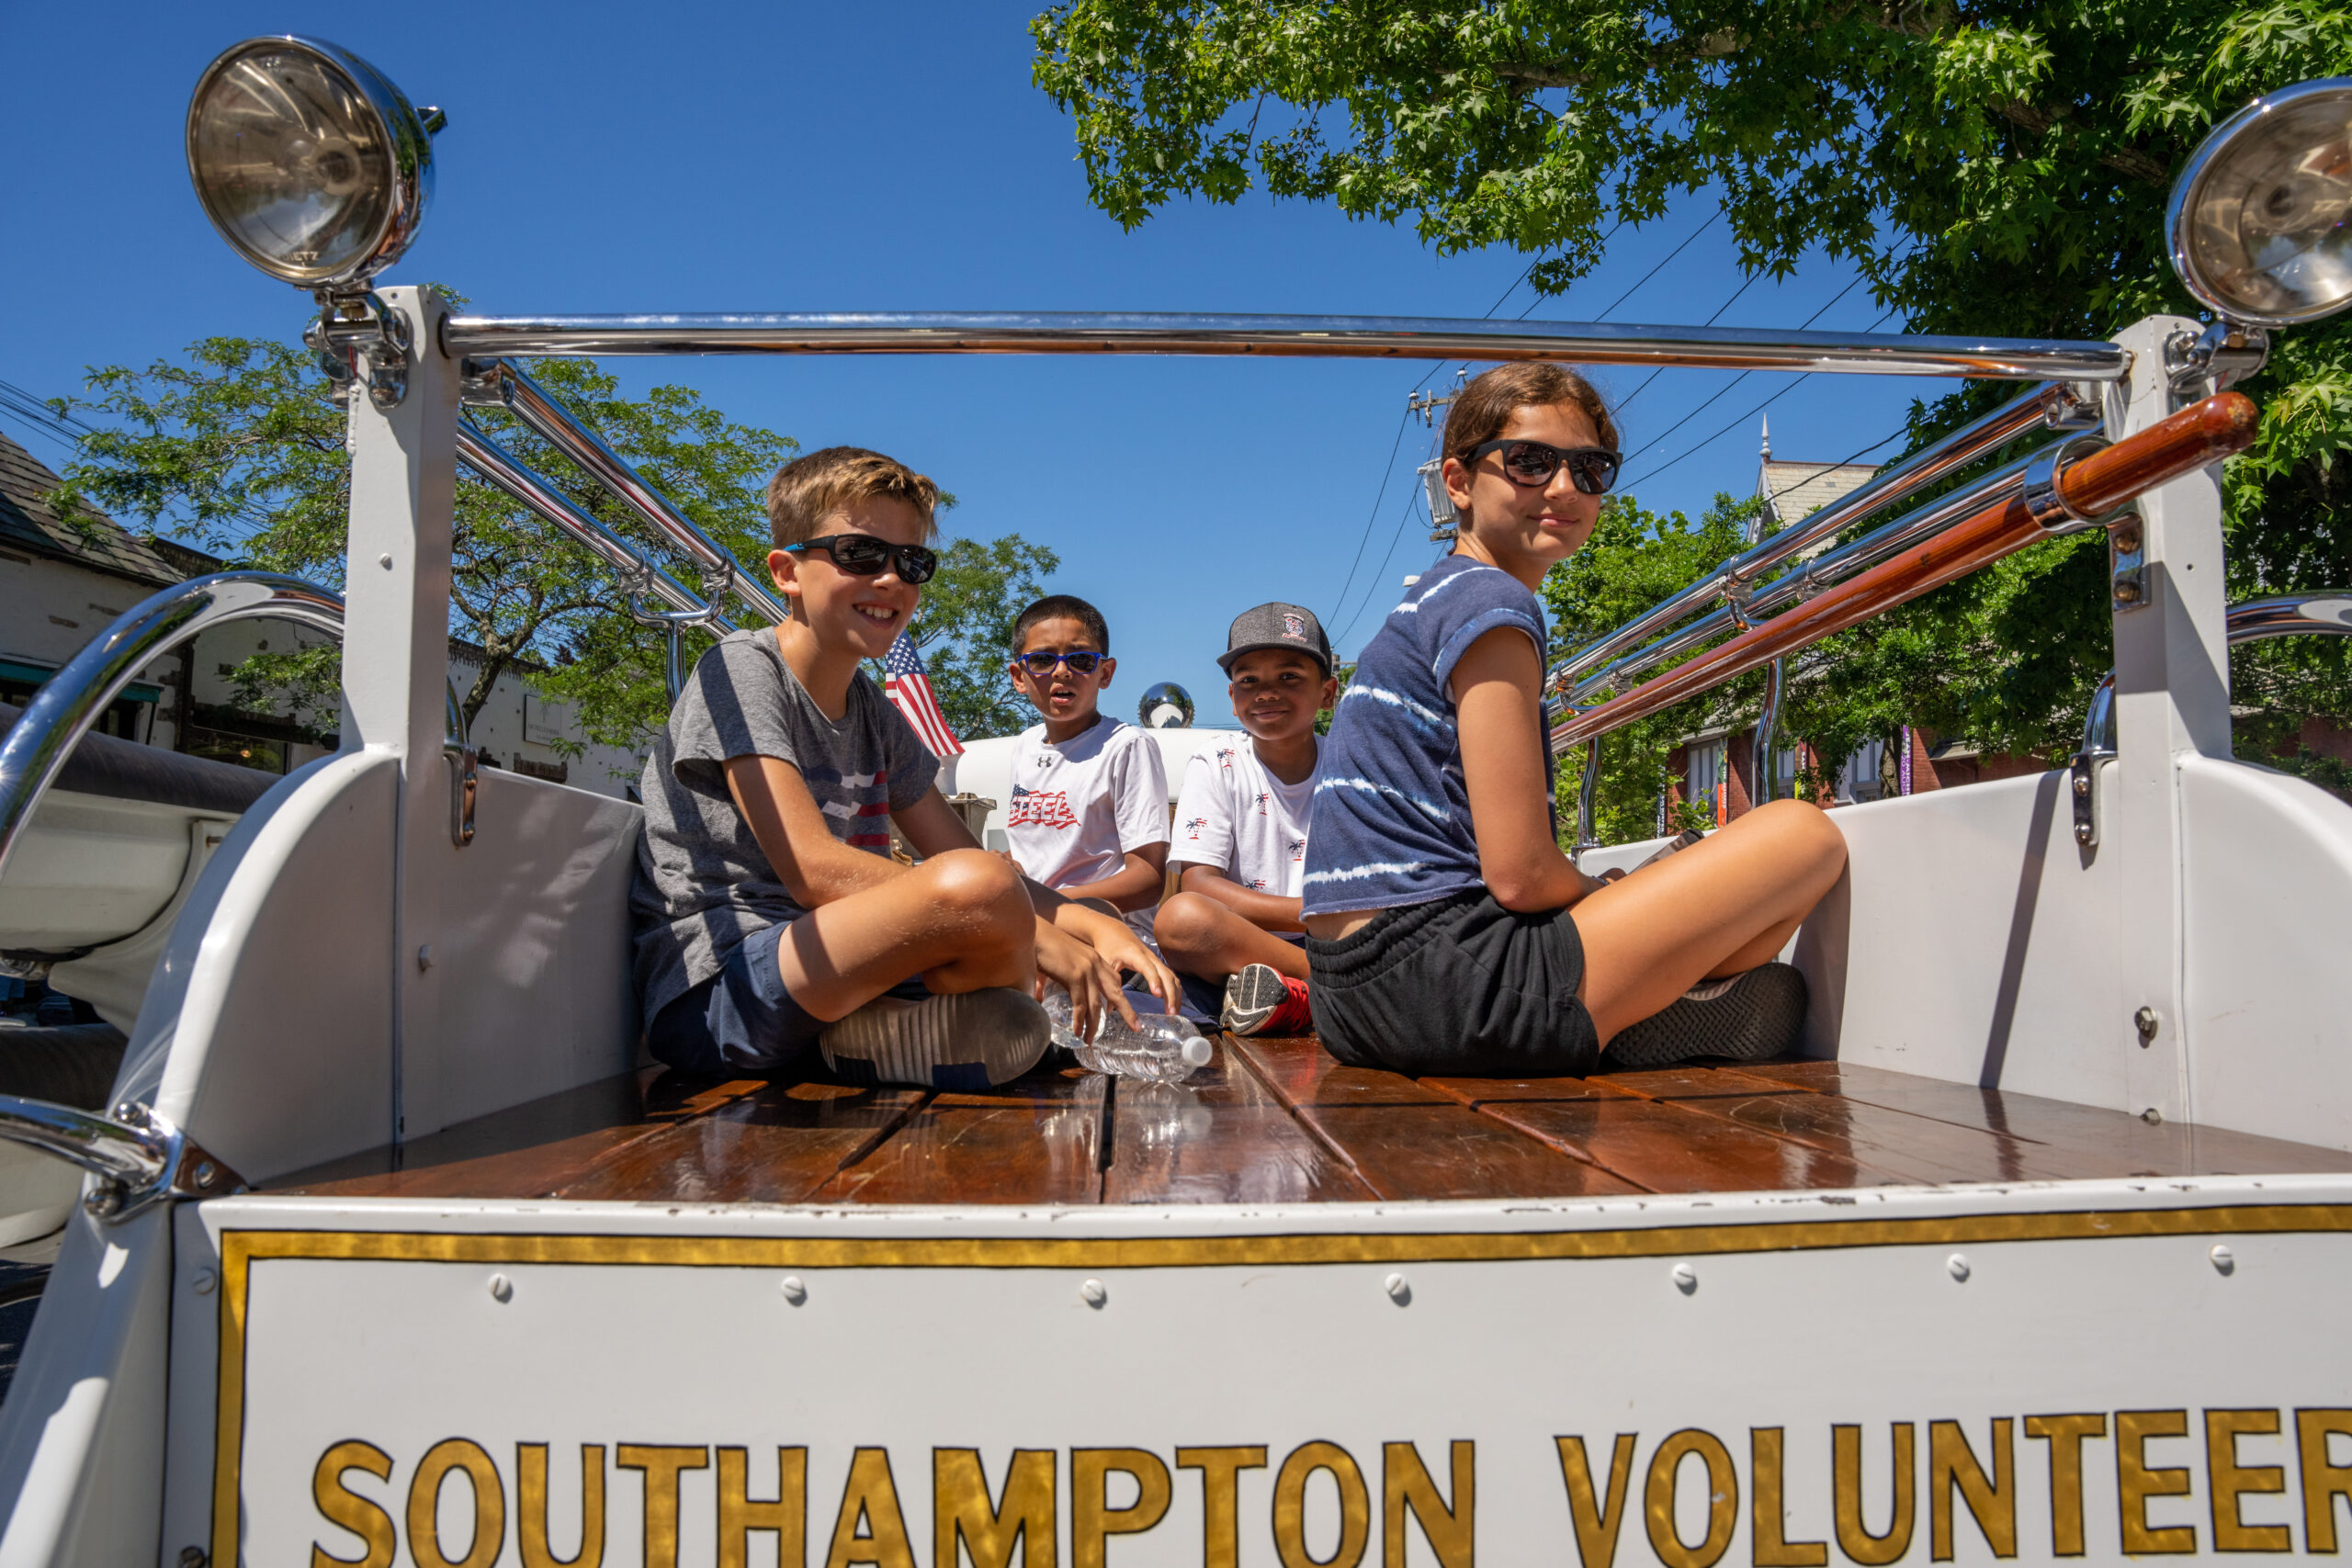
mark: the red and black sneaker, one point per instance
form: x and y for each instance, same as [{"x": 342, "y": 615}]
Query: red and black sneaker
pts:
[{"x": 1261, "y": 999}]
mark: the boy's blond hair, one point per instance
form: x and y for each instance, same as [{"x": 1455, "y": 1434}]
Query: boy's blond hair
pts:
[{"x": 807, "y": 489}]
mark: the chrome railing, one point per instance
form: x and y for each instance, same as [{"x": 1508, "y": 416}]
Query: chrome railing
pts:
[
  {"x": 637, "y": 574},
  {"x": 1793, "y": 587},
  {"x": 493, "y": 384},
  {"x": 1324, "y": 337},
  {"x": 65, "y": 707},
  {"x": 2053, "y": 407},
  {"x": 2327, "y": 612}
]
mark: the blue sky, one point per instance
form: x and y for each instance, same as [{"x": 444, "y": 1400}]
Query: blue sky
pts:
[{"x": 783, "y": 157}]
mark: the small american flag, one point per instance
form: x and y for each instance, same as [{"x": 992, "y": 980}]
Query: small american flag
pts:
[{"x": 910, "y": 688}]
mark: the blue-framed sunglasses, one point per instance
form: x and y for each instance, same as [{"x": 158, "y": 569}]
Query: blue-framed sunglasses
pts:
[{"x": 1041, "y": 661}]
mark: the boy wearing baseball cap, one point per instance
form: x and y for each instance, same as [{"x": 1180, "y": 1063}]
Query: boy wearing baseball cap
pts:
[{"x": 1241, "y": 822}]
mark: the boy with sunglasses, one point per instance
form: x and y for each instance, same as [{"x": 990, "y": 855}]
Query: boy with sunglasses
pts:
[
  {"x": 1447, "y": 932},
  {"x": 1089, "y": 815},
  {"x": 771, "y": 925}
]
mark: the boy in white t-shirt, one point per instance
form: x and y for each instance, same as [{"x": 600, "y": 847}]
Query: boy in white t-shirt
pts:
[
  {"x": 1089, "y": 815},
  {"x": 1241, "y": 822}
]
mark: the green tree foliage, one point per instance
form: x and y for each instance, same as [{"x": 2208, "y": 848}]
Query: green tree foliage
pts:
[
  {"x": 2000, "y": 168},
  {"x": 238, "y": 447},
  {"x": 966, "y": 630},
  {"x": 1634, "y": 559}
]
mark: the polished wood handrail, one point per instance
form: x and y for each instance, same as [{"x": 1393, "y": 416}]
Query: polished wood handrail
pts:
[{"x": 2093, "y": 486}]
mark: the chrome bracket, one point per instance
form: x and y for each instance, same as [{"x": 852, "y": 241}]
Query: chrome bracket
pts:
[
  {"x": 2039, "y": 488},
  {"x": 2082, "y": 768},
  {"x": 2082, "y": 778},
  {"x": 673, "y": 621},
  {"x": 2127, "y": 562},
  {"x": 2070, "y": 405},
  {"x": 2225, "y": 353},
  {"x": 465, "y": 784},
  {"x": 355, "y": 337},
  {"x": 483, "y": 384},
  {"x": 135, "y": 1157}
]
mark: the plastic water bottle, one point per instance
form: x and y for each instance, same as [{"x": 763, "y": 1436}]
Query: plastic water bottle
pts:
[{"x": 1164, "y": 1048}]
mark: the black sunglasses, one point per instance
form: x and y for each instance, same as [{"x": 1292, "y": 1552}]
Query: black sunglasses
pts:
[
  {"x": 1043, "y": 661},
  {"x": 1591, "y": 468},
  {"x": 863, "y": 555}
]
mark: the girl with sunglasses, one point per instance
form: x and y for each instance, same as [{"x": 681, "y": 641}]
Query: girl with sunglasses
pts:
[{"x": 1447, "y": 932}]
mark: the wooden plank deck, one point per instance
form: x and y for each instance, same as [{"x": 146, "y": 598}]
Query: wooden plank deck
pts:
[{"x": 1280, "y": 1122}]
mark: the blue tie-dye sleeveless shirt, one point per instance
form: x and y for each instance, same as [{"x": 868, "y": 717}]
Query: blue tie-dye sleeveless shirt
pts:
[{"x": 1391, "y": 818}]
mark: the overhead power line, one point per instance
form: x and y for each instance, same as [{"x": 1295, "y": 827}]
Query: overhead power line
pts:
[{"x": 1751, "y": 413}]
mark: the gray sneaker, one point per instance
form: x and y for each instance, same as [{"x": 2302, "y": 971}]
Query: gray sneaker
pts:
[
  {"x": 1746, "y": 1018},
  {"x": 966, "y": 1042}
]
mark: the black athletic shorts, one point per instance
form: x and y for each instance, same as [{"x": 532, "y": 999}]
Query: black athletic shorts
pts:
[{"x": 1457, "y": 986}]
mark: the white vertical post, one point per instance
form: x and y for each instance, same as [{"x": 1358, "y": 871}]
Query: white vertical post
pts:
[
  {"x": 396, "y": 658},
  {"x": 2172, "y": 699}
]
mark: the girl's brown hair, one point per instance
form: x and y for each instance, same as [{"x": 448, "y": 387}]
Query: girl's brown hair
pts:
[{"x": 1486, "y": 405}]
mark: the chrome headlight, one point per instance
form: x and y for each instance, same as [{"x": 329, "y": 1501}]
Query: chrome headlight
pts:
[
  {"x": 308, "y": 162},
  {"x": 2261, "y": 218}
]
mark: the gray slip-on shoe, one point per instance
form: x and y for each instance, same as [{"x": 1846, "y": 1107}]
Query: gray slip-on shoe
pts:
[{"x": 975, "y": 1040}]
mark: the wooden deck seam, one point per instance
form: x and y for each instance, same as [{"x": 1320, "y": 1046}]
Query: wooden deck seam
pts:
[
  {"x": 1249, "y": 1064},
  {"x": 1555, "y": 1145},
  {"x": 882, "y": 1134}
]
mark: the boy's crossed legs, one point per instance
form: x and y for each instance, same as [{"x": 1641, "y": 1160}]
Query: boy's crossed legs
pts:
[{"x": 837, "y": 978}]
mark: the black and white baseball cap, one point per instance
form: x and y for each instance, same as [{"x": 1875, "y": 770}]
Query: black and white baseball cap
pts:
[{"x": 1293, "y": 626}]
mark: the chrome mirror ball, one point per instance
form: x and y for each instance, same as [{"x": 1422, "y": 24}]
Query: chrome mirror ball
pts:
[
  {"x": 308, "y": 161},
  {"x": 1165, "y": 707},
  {"x": 2260, "y": 223}
]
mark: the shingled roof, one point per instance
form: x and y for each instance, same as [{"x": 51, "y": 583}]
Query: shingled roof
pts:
[
  {"x": 1794, "y": 490},
  {"x": 93, "y": 539}
]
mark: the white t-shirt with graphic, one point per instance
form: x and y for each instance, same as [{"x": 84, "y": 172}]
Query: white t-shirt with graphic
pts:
[
  {"x": 1234, "y": 815},
  {"x": 1080, "y": 807}
]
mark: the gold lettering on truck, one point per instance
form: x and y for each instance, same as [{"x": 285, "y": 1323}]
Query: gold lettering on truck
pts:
[
  {"x": 341, "y": 1505},
  {"x": 960, "y": 1506},
  {"x": 465, "y": 1456},
  {"x": 739, "y": 1514},
  {"x": 531, "y": 1507},
  {"x": 1092, "y": 1520},
  {"x": 1992, "y": 1503},
  {"x": 1723, "y": 1499},
  {"x": 2136, "y": 1482},
  {"x": 2230, "y": 1481},
  {"x": 1290, "y": 1507},
  {"x": 869, "y": 1528},
  {"x": 1854, "y": 1538},
  {"x": 1596, "y": 1520},
  {"x": 2324, "y": 1482},
  {"x": 1220, "y": 1491},
  {"x": 1406, "y": 1487},
  {"x": 2064, "y": 1434},
  {"x": 1768, "y": 1514},
  {"x": 661, "y": 1463}
]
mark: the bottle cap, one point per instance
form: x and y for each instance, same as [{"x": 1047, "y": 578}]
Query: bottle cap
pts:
[{"x": 1197, "y": 1052}]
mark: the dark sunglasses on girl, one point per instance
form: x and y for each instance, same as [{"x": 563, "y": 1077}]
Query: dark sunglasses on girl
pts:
[
  {"x": 1591, "y": 469},
  {"x": 863, "y": 555},
  {"x": 1042, "y": 662}
]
